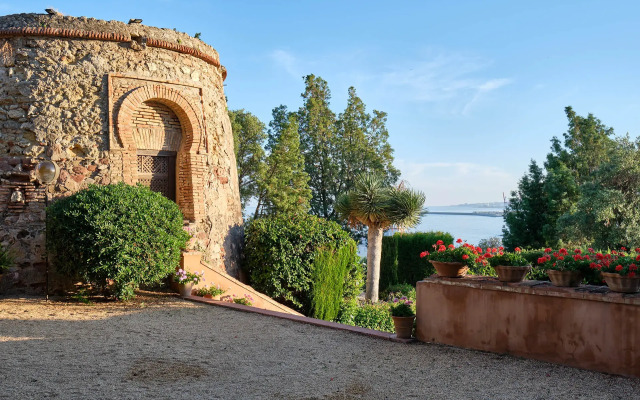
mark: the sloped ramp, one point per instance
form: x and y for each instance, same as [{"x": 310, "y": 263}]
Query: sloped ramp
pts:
[{"x": 217, "y": 277}]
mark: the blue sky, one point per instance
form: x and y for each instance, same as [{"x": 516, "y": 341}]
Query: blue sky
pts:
[{"x": 474, "y": 89}]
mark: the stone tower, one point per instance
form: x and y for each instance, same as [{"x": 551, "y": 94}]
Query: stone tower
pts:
[{"x": 109, "y": 102}]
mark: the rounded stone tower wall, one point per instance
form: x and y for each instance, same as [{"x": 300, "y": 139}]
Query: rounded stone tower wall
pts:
[{"x": 110, "y": 102}]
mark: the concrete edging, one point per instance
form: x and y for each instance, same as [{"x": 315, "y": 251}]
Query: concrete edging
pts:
[{"x": 305, "y": 320}]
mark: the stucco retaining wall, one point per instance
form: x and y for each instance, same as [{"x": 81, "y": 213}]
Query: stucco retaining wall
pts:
[{"x": 588, "y": 327}]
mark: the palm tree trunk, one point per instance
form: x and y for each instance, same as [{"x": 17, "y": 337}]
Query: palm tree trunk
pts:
[{"x": 374, "y": 253}]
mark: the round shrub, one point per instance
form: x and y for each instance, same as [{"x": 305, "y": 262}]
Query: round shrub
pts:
[
  {"x": 126, "y": 234},
  {"x": 280, "y": 253}
]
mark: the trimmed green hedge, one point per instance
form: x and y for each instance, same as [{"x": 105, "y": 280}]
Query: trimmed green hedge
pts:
[
  {"x": 281, "y": 251},
  {"x": 123, "y": 233},
  {"x": 401, "y": 262}
]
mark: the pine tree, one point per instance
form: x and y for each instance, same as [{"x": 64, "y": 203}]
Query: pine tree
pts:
[
  {"x": 524, "y": 217},
  {"x": 283, "y": 186},
  {"x": 317, "y": 140}
]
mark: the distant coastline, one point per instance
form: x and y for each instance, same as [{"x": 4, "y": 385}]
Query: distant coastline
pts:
[{"x": 494, "y": 214}]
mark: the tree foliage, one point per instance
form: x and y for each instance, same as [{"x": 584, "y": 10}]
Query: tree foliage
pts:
[
  {"x": 283, "y": 185},
  {"x": 588, "y": 195},
  {"x": 248, "y": 137}
]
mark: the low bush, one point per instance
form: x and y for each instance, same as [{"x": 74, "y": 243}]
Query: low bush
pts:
[
  {"x": 366, "y": 315},
  {"x": 126, "y": 234},
  {"x": 281, "y": 250}
]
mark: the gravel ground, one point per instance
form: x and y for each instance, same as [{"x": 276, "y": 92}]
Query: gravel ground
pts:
[{"x": 159, "y": 346}]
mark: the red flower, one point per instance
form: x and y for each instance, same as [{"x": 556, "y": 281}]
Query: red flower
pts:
[
  {"x": 590, "y": 250},
  {"x": 501, "y": 248},
  {"x": 464, "y": 256},
  {"x": 479, "y": 249},
  {"x": 577, "y": 257},
  {"x": 637, "y": 249},
  {"x": 451, "y": 246},
  {"x": 439, "y": 242},
  {"x": 623, "y": 248},
  {"x": 593, "y": 265},
  {"x": 618, "y": 267},
  {"x": 633, "y": 267},
  {"x": 614, "y": 252},
  {"x": 424, "y": 254},
  {"x": 548, "y": 250},
  {"x": 563, "y": 251},
  {"x": 560, "y": 257},
  {"x": 638, "y": 257},
  {"x": 494, "y": 250},
  {"x": 459, "y": 240},
  {"x": 442, "y": 248},
  {"x": 577, "y": 251},
  {"x": 517, "y": 249},
  {"x": 542, "y": 260}
]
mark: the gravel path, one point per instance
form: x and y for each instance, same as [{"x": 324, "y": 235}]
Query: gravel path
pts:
[{"x": 162, "y": 347}]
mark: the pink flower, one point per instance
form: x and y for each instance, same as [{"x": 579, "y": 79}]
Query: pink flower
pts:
[{"x": 424, "y": 254}]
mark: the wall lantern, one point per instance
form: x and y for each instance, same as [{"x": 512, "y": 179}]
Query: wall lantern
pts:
[{"x": 46, "y": 172}]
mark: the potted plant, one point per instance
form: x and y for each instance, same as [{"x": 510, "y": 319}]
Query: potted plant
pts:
[
  {"x": 403, "y": 316},
  {"x": 451, "y": 261},
  {"x": 510, "y": 266},
  {"x": 186, "y": 280},
  {"x": 620, "y": 270},
  {"x": 210, "y": 292},
  {"x": 564, "y": 269}
]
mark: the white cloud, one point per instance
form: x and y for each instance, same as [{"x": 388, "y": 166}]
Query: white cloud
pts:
[
  {"x": 456, "y": 82},
  {"x": 451, "y": 183},
  {"x": 288, "y": 62}
]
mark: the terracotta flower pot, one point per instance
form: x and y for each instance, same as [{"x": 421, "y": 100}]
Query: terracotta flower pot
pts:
[
  {"x": 404, "y": 326},
  {"x": 508, "y": 273},
  {"x": 622, "y": 284},
  {"x": 565, "y": 278},
  {"x": 185, "y": 289},
  {"x": 450, "y": 269}
]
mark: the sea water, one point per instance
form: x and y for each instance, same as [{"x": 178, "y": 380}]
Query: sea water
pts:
[{"x": 471, "y": 228}]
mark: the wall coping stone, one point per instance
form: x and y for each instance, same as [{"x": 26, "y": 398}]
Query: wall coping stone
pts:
[
  {"x": 539, "y": 288},
  {"x": 112, "y": 31}
]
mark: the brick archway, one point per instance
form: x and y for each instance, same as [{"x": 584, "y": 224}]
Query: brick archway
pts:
[{"x": 190, "y": 164}]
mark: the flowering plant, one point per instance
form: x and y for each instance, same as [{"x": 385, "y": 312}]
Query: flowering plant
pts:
[
  {"x": 465, "y": 253},
  {"x": 402, "y": 307},
  {"x": 561, "y": 260},
  {"x": 619, "y": 262},
  {"x": 210, "y": 290},
  {"x": 181, "y": 276},
  {"x": 247, "y": 300},
  {"x": 506, "y": 259}
]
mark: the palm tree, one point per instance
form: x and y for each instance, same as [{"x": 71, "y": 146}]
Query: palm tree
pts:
[{"x": 378, "y": 206}]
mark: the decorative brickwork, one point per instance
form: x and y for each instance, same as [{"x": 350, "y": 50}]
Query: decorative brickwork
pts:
[
  {"x": 190, "y": 164},
  {"x": 92, "y": 96},
  {"x": 156, "y": 127}
]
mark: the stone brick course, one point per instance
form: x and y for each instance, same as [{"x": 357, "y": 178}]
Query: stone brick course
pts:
[{"x": 88, "y": 95}]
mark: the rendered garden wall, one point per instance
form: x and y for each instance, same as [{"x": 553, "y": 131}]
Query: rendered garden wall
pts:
[{"x": 587, "y": 327}]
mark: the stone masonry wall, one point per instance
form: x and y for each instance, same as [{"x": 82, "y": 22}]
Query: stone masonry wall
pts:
[{"x": 62, "y": 83}]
